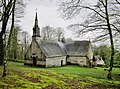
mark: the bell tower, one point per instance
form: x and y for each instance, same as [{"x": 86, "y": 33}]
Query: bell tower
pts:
[{"x": 36, "y": 29}]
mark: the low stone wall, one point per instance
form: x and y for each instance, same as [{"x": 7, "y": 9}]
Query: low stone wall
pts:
[
  {"x": 29, "y": 62},
  {"x": 41, "y": 63}
]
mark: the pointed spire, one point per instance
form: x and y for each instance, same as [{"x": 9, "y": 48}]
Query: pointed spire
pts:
[
  {"x": 36, "y": 20},
  {"x": 36, "y": 16},
  {"x": 36, "y": 29}
]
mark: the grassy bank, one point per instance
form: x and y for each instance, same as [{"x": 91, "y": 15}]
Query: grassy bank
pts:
[{"x": 67, "y": 77}]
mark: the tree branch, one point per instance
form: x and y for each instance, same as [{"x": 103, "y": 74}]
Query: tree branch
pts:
[
  {"x": 117, "y": 1},
  {"x": 94, "y": 11}
]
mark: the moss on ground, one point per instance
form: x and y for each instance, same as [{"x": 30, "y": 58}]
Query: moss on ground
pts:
[{"x": 21, "y": 77}]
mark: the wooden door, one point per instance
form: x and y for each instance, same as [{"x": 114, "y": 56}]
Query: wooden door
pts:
[
  {"x": 61, "y": 62},
  {"x": 34, "y": 61}
]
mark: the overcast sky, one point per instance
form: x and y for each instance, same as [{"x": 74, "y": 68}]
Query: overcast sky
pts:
[{"x": 47, "y": 15}]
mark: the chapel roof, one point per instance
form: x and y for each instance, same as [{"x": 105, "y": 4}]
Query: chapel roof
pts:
[
  {"x": 51, "y": 49},
  {"x": 77, "y": 48},
  {"x": 73, "y": 48}
]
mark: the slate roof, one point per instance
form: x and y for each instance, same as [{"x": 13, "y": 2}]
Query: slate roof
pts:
[
  {"x": 73, "y": 48},
  {"x": 52, "y": 49},
  {"x": 62, "y": 45},
  {"x": 77, "y": 48}
]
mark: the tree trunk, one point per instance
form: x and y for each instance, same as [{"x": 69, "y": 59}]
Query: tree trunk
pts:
[
  {"x": 2, "y": 33},
  {"x": 1, "y": 51},
  {"x": 11, "y": 32},
  {"x": 15, "y": 54},
  {"x": 109, "y": 76}
]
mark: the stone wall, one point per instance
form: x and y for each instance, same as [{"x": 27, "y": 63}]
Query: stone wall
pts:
[
  {"x": 28, "y": 62},
  {"x": 56, "y": 61},
  {"x": 41, "y": 63},
  {"x": 82, "y": 61},
  {"x": 33, "y": 51}
]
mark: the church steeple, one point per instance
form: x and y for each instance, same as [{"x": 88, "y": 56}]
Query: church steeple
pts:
[
  {"x": 36, "y": 20},
  {"x": 36, "y": 29}
]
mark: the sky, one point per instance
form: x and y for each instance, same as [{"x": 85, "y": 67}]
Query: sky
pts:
[{"x": 47, "y": 15}]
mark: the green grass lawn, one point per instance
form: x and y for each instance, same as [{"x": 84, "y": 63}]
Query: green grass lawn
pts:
[
  {"x": 96, "y": 72},
  {"x": 66, "y": 77}
]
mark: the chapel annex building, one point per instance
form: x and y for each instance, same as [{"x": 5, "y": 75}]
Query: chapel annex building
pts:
[{"x": 52, "y": 54}]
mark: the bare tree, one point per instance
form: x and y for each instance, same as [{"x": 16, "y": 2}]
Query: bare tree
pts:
[
  {"x": 102, "y": 17},
  {"x": 7, "y": 7},
  {"x": 17, "y": 14},
  {"x": 25, "y": 40},
  {"x": 23, "y": 43},
  {"x": 48, "y": 33},
  {"x": 59, "y": 31},
  {"x": 6, "y": 10},
  {"x": 12, "y": 31},
  {"x": 52, "y": 33},
  {"x": 117, "y": 1},
  {"x": 12, "y": 50}
]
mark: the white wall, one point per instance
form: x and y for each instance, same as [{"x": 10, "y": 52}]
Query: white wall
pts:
[
  {"x": 28, "y": 62},
  {"x": 56, "y": 61},
  {"x": 41, "y": 63},
  {"x": 33, "y": 49},
  {"x": 82, "y": 61}
]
